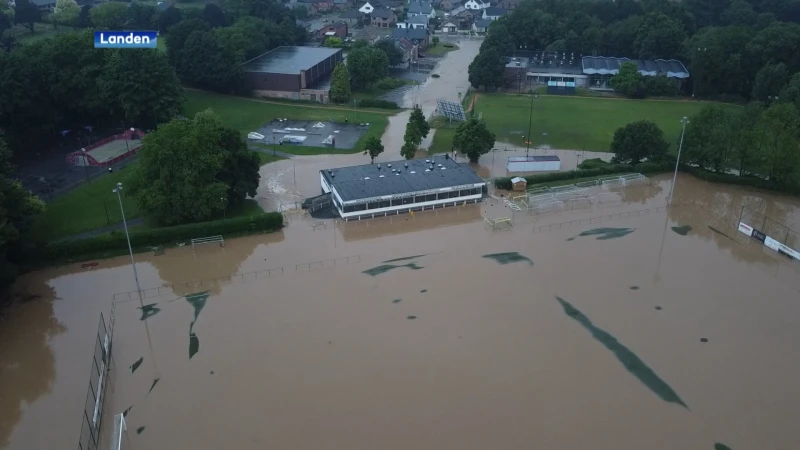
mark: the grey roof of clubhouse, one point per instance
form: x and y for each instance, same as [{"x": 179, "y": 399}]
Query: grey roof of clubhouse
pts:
[
  {"x": 351, "y": 183},
  {"x": 610, "y": 66},
  {"x": 289, "y": 60}
]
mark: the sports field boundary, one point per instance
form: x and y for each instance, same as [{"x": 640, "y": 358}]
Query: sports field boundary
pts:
[
  {"x": 298, "y": 104},
  {"x": 653, "y": 100}
]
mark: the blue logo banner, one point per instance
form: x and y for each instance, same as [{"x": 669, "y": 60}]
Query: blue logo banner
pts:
[{"x": 125, "y": 39}]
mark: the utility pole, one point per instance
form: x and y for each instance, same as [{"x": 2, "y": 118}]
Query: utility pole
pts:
[{"x": 684, "y": 121}]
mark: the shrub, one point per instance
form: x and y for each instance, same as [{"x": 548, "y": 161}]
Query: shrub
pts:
[
  {"x": 387, "y": 84},
  {"x": 435, "y": 75},
  {"x": 115, "y": 241},
  {"x": 377, "y": 103},
  {"x": 592, "y": 163}
]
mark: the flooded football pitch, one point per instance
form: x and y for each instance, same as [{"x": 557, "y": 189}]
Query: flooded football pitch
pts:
[{"x": 644, "y": 327}]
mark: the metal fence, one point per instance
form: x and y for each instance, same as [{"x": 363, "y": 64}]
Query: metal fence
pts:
[
  {"x": 102, "y": 366},
  {"x": 770, "y": 227},
  {"x": 237, "y": 278}
]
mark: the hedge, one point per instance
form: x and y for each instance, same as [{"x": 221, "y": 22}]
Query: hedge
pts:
[
  {"x": 747, "y": 180},
  {"x": 115, "y": 241},
  {"x": 377, "y": 103},
  {"x": 589, "y": 168}
]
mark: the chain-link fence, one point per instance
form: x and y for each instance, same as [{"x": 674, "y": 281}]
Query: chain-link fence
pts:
[
  {"x": 102, "y": 366},
  {"x": 770, "y": 227}
]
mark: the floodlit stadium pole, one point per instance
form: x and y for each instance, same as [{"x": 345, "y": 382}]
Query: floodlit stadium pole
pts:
[
  {"x": 118, "y": 191},
  {"x": 530, "y": 118},
  {"x": 684, "y": 121}
]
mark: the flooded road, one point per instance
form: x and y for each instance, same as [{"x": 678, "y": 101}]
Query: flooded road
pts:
[{"x": 613, "y": 326}]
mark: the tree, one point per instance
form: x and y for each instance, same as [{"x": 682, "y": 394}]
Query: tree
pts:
[
  {"x": 408, "y": 150},
  {"x": 141, "y": 15},
  {"x": 27, "y": 13},
  {"x": 214, "y": 16},
  {"x": 189, "y": 170},
  {"x": 332, "y": 42},
  {"x": 18, "y": 209},
  {"x": 638, "y": 141},
  {"x": 206, "y": 64},
  {"x": 628, "y": 81},
  {"x": 6, "y": 19},
  {"x": 178, "y": 34},
  {"x": 781, "y": 156},
  {"x": 487, "y": 69},
  {"x": 411, "y": 140},
  {"x": 417, "y": 119},
  {"x": 301, "y": 12},
  {"x": 791, "y": 92},
  {"x": 473, "y": 139},
  {"x": 373, "y": 148},
  {"x": 340, "y": 84},
  {"x": 769, "y": 81},
  {"x": 367, "y": 65},
  {"x": 125, "y": 70},
  {"x": 740, "y": 12},
  {"x": 247, "y": 38},
  {"x": 393, "y": 53},
  {"x": 66, "y": 12},
  {"x": 83, "y": 20},
  {"x": 710, "y": 138},
  {"x": 111, "y": 15},
  {"x": 659, "y": 36},
  {"x": 168, "y": 18},
  {"x": 435, "y": 41}
]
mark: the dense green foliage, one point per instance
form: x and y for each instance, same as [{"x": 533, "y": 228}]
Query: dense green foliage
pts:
[
  {"x": 377, "y": 103},
  {"x": 65, "y": 83},
  {"x": 367, "y": 65},
  {"x": 473, "y": 139},
  {"x": 724, "y": 43},
  {"x": 340, "y": 84},
  {"x": 588, "y": 169},
  {"x": 373, "y": 147},
  {"x": 18, "y": 209},
  {"x": 639, "y": 141},
  {"x": 192, "y": 170},
  {"x": 393, "y": 53},
  {"x": 115, "y": 242}
]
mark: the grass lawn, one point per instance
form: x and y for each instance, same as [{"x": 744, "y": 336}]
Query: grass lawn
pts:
[
  {"x": 161, "y": 43},
  {"x": 571, "y": 122},
  {"x": 440, "y": 49},
  {"x": 248, "y": 115},
  {"x": 265, "y": 158},
  {"x": 88, "y": 207}
]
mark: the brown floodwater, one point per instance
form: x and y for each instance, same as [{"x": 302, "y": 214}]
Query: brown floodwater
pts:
[{"x": 639, "y": 328}]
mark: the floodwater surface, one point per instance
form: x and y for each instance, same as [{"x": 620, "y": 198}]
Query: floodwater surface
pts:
[{"x": 287, "y": 341}]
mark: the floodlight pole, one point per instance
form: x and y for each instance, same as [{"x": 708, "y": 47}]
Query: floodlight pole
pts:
[
  {"x": 684, "y": 121},
  {"x": 530, "y": 119},
  {"x": 118, "y": 191},
  {"x": 86, "y": 165}
]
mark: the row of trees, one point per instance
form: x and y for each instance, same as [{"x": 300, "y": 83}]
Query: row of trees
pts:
[
  {"x": 731, "y": 47},
  {"x": 65, "y": 83}
]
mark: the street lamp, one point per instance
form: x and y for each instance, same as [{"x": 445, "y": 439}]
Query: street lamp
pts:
[
  {"x": 118, "y": 191},
  {"x": 695, "y": 83},
  {"x": 530, "y": 119},
  {"x": 86, "y": 165},
  {"x": 684, "y": 121},
  {"x": 224, "y": 208}
]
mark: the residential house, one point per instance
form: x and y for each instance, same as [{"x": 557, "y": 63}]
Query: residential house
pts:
[
  {"x": 409, "y": 50},
  {"x": 414, "y": 22},
  {"x": 383, "y": 18},
  {"x": 476, "y": 4},
  {"x": 317, "y": 6},
  {"x": 508, "y": 4},
  {"x": 336, "y": 29},
  {"x": 12, "y": 3},
  {"x": 493, "y": 13},
  {"x": 367, "y": 8},
  {"x": 342, "y": 5},
  {"x": 449, "y": 27},
  {"x": 421, "y": 8},
  {"x": 44, "y": 5},
  {"x": 352, "y": 16},
  {"x": 444, "y": 5},
  {"x": 163, "y": 6},
  {"x": 419, "y": 36},
  {"x": 462, "y": 13},
  {"x": 480, "y": 25}
]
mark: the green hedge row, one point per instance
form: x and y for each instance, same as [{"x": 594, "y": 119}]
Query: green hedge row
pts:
[
  {"x": 751, "y": 181},
  {"x": 595, "y": 170},
  {"x": 377, "y": 103},
  {"x": 115, "y": 241}
]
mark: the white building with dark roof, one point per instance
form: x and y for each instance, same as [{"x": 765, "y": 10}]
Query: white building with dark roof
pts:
[{"x": 399, "y": 187}]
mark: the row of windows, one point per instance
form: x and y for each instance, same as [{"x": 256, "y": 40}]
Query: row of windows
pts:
[{"x": 411, "y": 200}]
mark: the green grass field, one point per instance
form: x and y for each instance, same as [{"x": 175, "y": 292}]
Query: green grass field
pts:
[
  {"x": 248, "y": 115},
  {"x": 41, "y": 31},
  {"x": 92, "y": 206},
  {"x": 440, "y": 49},
  {"x": 570, "y": 122}
]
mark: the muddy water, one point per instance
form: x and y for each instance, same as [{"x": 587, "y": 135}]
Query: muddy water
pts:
[{"x": 321, "y": 350}]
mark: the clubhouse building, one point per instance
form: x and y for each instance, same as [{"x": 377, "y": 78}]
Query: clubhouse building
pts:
[{"x": 397, "y": 187}]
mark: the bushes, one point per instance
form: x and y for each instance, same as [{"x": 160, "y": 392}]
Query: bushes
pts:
[
  {"x": 115, "y": 242},
  {"x": 747, "y": 180},
  {"x": 387, "y": 84},
  {"x": 376, "y": 103}
]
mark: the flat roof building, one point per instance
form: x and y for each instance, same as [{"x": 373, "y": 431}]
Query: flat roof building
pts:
[
  {"x": 296, "y": 73},
  {"x": 399, "y": 187}
]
